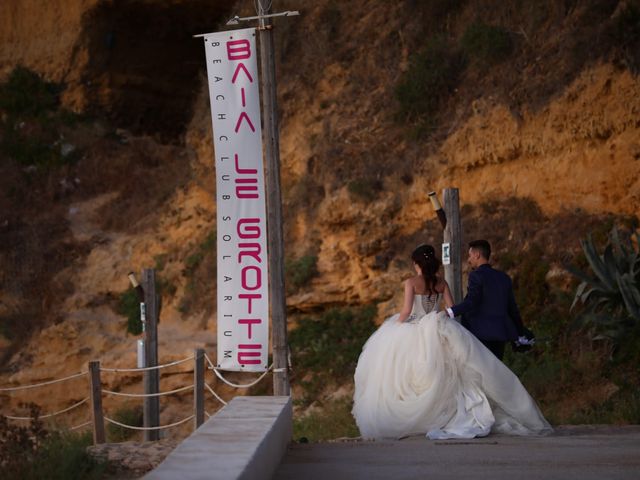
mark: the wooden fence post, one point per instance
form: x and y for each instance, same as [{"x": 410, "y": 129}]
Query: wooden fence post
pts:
[
  {"x": 95, "y": 393},
  {"x": 198, "y": 388},
  {"x": 151, "y": 409},
  {"x": 453, "y": 236}
]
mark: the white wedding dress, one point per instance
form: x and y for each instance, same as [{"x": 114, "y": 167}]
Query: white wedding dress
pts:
[{"x": 430, "y": 375}]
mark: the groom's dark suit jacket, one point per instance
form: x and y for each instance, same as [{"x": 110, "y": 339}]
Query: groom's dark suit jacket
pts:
[{"x": 489, "y": 310}]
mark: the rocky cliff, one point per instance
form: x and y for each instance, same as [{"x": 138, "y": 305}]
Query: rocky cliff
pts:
[{"x": 555, "y": 123}]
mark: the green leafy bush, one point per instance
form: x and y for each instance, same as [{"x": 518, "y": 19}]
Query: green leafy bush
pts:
[
  {"x": 129, "y": 306},
  {"x": 129, "y": 303},
  {"x": 20, "y": 444},
  {"x": 364, "y": 188},
  {"x": 531, "y": 288},
  {"x": 207, "y": 247},
  {"x": 160, "y": 261},
  {"x": 33, "y": 122},
  {"x": 200, "y": 271},
  {"x": 31, "y": 452},
  {"x": 622, "y": 408},
  {"x": 432, "y": 76},
  {"x": 26, "y": 94},
  {"x": 128, "y": 415},
  {"x": 325, "y": 349},
  {"x": 486, "y": 44},
  {"x": 300, "y": 271},
  {"x": 64, "y": 456}
]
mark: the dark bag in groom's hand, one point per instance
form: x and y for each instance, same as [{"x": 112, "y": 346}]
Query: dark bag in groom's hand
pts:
[{"x": 524, "y": 342}]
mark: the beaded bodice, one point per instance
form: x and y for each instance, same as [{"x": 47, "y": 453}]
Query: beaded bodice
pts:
[{"x": 423, "y": 304}]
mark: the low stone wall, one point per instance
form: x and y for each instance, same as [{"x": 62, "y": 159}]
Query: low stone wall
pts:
[{"x": 245, "y": 440}]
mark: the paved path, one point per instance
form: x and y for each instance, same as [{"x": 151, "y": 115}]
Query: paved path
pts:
[{"x": 572, "y": 453}]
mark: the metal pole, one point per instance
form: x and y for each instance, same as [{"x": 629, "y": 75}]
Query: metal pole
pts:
[
  {"x": 453, "y": 236},
  {"x": 151, "y": 408},
  {"x": 275, "y": 240}
]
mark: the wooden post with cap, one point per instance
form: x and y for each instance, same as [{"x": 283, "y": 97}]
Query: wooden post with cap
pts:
[
  {"x": 453, "y": 237},
  {"x": 275, "y": 237}
]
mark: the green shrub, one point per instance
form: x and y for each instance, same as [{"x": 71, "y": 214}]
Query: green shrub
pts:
[
  {"x": 200, "y": 271},
  {"x": 621, "y": 408},
  {"x": 325, "y": 349},
  {"x": 163, "y": 287},
  {"x": 335, "y": 421},
  {"x": 19, "y": 445},
  {"x": 129, "y": 303},
  {"x": 32, "y": 122},
  {"x": 364, "y": 188},
  {"x": 486, "y": 44},
  {"x": 128, "y": 415},
  {"x": 209, "y": 243},
  {"x": 431, "y": 77},
  {"x": 25, "y": 93},
  {"x": 538, "y": 372},
  {"x": 64, "y": 456},
  {"x": 300, "y": 271},
  {"x": 207, "y": 247},
  {"x": 32, "y": 453},
  {"x": 530, "y": 282},
  {"x": 160, "y": 261},
  {"x": 129, "y": 306},
  {"x": 193, "y": 260},
  {"x": 27, "y": 150}
]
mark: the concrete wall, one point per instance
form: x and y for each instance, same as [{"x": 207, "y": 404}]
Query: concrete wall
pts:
[{"x": 245, "y": 440}]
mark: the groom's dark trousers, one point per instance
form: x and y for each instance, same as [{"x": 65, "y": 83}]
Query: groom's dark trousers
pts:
[
  {"x": 489, "y": 310},
  {"x": 497, "y": 348}
]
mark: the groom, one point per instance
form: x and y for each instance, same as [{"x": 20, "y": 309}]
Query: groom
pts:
[{"x": 489, "y": 310}]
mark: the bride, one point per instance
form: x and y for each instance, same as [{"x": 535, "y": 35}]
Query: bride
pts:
[{"x": 423, "y": 373}]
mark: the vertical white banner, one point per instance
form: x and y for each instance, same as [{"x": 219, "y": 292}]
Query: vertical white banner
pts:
[{"x": 243, "y": 301}]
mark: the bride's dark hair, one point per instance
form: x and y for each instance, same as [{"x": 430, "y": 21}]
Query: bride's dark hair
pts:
[{"x": 425, "y": 257}]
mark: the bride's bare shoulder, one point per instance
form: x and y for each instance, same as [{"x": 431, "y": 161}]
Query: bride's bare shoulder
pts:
[{"x": 412, "y": 281}]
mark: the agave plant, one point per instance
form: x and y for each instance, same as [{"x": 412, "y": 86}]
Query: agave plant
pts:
[{"x": 610, "y": 294}]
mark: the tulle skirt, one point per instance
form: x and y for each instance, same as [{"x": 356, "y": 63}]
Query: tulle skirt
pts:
[{"x": 433, "y": 377}]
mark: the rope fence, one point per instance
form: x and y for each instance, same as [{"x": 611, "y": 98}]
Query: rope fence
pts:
[
  {"x": 143, "y": 395},
  {"x": 50, "y": 414},
  {"x": 202, "y": 363},
  {"x": 81, "y": 425},
  {"x": 146, "y": 369},
  {"x": 235, "y": 385},
  {"x": 217, "y": 397},
  {"x": 161, "y": 427},
  {"x": 50, "y": 382}
]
